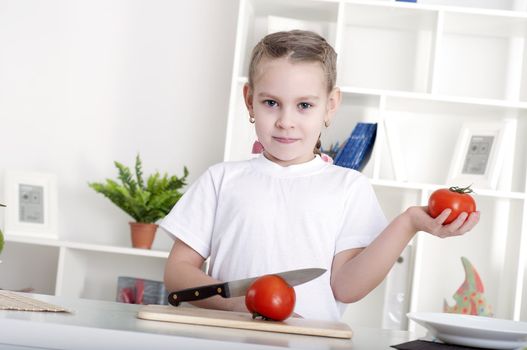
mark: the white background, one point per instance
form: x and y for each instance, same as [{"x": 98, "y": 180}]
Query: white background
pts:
[{"x": 84, "y": 83}]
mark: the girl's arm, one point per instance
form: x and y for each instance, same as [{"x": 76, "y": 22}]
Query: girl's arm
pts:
[
  {"x": 356, "y": 272},
  {"x": 183, "y": 270}
]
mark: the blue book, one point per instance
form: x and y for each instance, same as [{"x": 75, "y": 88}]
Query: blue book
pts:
[{"x": 358, "y": 147}]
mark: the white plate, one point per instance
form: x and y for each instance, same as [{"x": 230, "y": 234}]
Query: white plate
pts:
[{"x": 477, "y": 331}]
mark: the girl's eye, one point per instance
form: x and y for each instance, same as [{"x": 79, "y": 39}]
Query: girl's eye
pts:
[
  {"x": 271, "y": 103},
  {"x": 304, "y": 105}
]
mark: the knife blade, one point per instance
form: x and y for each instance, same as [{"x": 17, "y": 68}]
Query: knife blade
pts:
[{"x": 239, "y": 287}]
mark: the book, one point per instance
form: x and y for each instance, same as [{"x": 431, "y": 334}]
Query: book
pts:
[{"x": 357, "y": 149}]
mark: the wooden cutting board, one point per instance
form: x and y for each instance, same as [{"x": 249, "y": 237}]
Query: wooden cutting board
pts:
[{"x": 242, "y": 320}]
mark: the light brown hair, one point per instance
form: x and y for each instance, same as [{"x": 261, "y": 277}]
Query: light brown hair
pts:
[{"x": 298, "y": 46}]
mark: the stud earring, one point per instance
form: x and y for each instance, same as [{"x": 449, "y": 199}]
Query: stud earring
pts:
[
  {"x": 251, "y": 119},
  {"x": 326, "y": 123}
]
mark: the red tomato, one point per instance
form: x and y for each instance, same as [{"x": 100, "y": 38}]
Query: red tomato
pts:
[
  {"x": 270, "y": 297},
  {"x": 456, "y": 198}
]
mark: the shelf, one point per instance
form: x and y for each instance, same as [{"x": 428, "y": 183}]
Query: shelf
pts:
[
  {"x": 87, "y": 246},
  {"x": 116, "y": 250},
  {"x": 422, "y": 70},
  {"x": 436, "y": 97},
  {"x": 432, "y": 187}
]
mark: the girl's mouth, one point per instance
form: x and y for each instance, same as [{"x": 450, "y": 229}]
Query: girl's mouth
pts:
[{"x": 284, "y": 139}]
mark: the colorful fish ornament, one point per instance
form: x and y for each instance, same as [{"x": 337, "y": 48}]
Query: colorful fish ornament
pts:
[{"x": 469, "y": 296}]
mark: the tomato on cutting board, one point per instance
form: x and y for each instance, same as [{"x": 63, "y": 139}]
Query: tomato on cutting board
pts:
[
  {"x": 456, "y": 198},
  {"x": 270, "y": 297}
]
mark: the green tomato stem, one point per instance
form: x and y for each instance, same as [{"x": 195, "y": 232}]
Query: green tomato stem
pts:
[{"x": 462, "y": 190}]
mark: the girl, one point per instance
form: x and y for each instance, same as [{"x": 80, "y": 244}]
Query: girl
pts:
[{"x": 288, "y": 209}]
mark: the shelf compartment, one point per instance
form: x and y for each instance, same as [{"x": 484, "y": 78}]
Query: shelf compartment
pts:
[
  {"x": 86, "y": 274},
  {"x": 367, "y": 312},
  {"x": 480, "y": 56},
  {"x": 394, "y": 201},
  {"x": 354, "y": 108},
  {"x": 492, "y": 248},
  {"x": 386, "y": 47},
  {"x": 386, "y": 305},
  {"x": 260, "y": 17},
  {"x": 29, "y": 266},
  {"x": 428, "y": 132}
]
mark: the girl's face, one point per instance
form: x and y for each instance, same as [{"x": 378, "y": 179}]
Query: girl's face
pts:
[{"x": 290, "y": 104}]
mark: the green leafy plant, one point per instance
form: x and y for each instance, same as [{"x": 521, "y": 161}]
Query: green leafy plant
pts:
[{"x": 145, "y": 201}]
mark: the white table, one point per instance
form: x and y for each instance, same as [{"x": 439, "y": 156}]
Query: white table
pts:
[{"x": 110, "y": 325}]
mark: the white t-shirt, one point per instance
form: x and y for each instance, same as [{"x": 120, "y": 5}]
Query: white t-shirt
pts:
[{"x": 256, "y": 217}]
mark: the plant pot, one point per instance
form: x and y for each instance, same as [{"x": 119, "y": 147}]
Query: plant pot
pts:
[{"x": 142, "y": 234}]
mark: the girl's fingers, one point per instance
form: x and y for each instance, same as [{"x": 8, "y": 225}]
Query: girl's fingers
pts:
[
  {"x": 458, "y": 222},
  {"x": 463, "y": 223},
  {"x": 472, "y": 220},
  {"x": 443, "y": 216}
]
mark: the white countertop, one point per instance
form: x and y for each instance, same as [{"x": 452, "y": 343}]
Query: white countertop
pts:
[{"x": 110, "y": 325}]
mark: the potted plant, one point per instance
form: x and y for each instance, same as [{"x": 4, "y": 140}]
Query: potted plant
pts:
[{"x": 145, "y": 201}]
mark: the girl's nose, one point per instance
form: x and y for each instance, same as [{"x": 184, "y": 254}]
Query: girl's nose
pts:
[{"x": 285, "y": 120}]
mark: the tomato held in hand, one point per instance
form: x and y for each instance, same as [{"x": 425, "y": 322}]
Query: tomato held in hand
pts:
[
  {"x": 456, "y": 198},
  {"x": 270, "y": 297}
]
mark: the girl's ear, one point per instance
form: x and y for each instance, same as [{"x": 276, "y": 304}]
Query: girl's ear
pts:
[
  {"x": 248, "y": 98},
  {"x": 334, "y": 99}
]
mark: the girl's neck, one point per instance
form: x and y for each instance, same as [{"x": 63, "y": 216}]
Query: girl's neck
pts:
[{"x": 286, "y": 163}]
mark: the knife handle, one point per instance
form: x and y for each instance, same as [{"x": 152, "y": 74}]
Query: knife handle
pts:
[{"x": 198, "y": 293}]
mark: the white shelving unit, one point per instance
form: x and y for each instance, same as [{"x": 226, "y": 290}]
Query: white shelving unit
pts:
[{"x": 423, "y": 69}]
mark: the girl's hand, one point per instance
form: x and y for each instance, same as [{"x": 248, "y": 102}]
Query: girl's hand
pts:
[{"x": 422, "y": 221}]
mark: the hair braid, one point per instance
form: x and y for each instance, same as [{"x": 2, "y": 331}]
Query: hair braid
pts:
[{"x": 316, "y": 150}]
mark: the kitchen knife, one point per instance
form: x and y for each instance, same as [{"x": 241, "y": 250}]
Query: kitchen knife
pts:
[{"x": 239, "y": 287}]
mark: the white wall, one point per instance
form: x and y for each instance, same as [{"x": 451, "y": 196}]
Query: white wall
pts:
[{"x": 84, "y": 83}]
